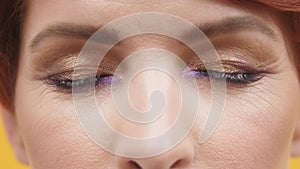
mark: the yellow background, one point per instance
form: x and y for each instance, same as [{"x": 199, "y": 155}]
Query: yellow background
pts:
[{"x": 7, "y": 160}]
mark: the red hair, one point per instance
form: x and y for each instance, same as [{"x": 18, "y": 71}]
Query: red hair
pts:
[
  {"x": 10, "y": 21},
  {"x": 10, "y": 27},
  {"x": 290, "y": 7}
]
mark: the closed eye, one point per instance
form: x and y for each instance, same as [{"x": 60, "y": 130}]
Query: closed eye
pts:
[
  {"x": 66, "y": 84},
  {"x": 233, "y": 77}
]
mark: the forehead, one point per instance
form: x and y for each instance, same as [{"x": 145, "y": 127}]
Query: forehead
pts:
[
  {"x": 40, "y": 14},
  {"x": 98, "y": 12},
  {"x": 207, "y": 8}
]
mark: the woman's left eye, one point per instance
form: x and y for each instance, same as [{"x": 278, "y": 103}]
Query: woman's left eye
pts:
[{"x": 232, "y": 77}]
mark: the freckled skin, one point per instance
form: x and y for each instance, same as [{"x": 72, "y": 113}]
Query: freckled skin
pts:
[{"x": 257, "y": 127}]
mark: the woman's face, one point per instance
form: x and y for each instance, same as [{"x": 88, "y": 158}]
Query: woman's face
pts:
[{"x": 260, "y": 113}]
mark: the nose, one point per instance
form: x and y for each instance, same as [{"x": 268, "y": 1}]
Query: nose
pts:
[
  {"x": 182, "y": 155},
  {"x": 179, "y": 157}
]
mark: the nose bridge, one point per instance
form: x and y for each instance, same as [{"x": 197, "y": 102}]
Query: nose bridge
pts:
[
  {"x": 140, "y": 84},
  {"x": 141, "y": 87},
  {"x": 148, "y": 81}
]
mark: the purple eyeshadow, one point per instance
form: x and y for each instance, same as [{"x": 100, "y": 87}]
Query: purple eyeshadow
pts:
[
  {"x": 103, "y": 80},
  {"x": 196, "y": 73}
]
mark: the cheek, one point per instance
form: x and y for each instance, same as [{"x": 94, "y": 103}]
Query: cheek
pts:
[
  {"x": 256, "y": 128},
  {"x": 51, "y": 132}
]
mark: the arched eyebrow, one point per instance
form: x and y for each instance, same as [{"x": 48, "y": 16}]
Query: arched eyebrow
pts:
[
  {"x": 63, "y": 30},
  {"x": 236, "y": 24},
  {"x": 210, "y": 29}
]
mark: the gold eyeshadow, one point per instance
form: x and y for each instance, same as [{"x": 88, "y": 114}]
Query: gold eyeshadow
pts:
[{"x": 240, "y": 57}]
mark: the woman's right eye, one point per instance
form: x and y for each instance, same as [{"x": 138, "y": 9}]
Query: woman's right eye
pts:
[{"x": 66, "y": 84}]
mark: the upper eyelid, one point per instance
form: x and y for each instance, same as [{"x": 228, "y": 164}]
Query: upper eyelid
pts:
[{"x": 228, "y": 52}]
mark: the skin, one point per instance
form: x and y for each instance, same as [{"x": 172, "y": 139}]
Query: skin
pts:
[{"x": 259, "y": 125}]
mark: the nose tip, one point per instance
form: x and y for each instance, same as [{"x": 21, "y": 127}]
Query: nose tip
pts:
[{"x": 180, "y": 156}]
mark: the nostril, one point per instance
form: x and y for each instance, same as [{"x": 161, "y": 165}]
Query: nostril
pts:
[
  {"x": 134, "y": 165},
  {"x": 177, "y": 164}
]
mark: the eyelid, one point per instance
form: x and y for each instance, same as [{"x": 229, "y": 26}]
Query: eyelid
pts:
[
  {"x": 232, "y": 79},
  {"x": 62, "y": 84},
  {"x": 69, "y": 67},
  {"x": 63, "y": 54},
  {"x": 255, "y": 53},
  {"x": 82, "y": 73},
  {"x": 228, "y": 66}
]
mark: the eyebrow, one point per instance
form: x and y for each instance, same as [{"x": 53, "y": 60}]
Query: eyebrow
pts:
[
  {"x": 61, "y": 30},
  {"x": 224, "y": 26},
  {"x": 233, "y": 25}
]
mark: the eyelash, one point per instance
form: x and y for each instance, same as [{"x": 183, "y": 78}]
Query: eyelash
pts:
[
  {"x": 102, "y": 80},
  {"x": 63, "y": 83},
  {"x": 241, "y": 78}
]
